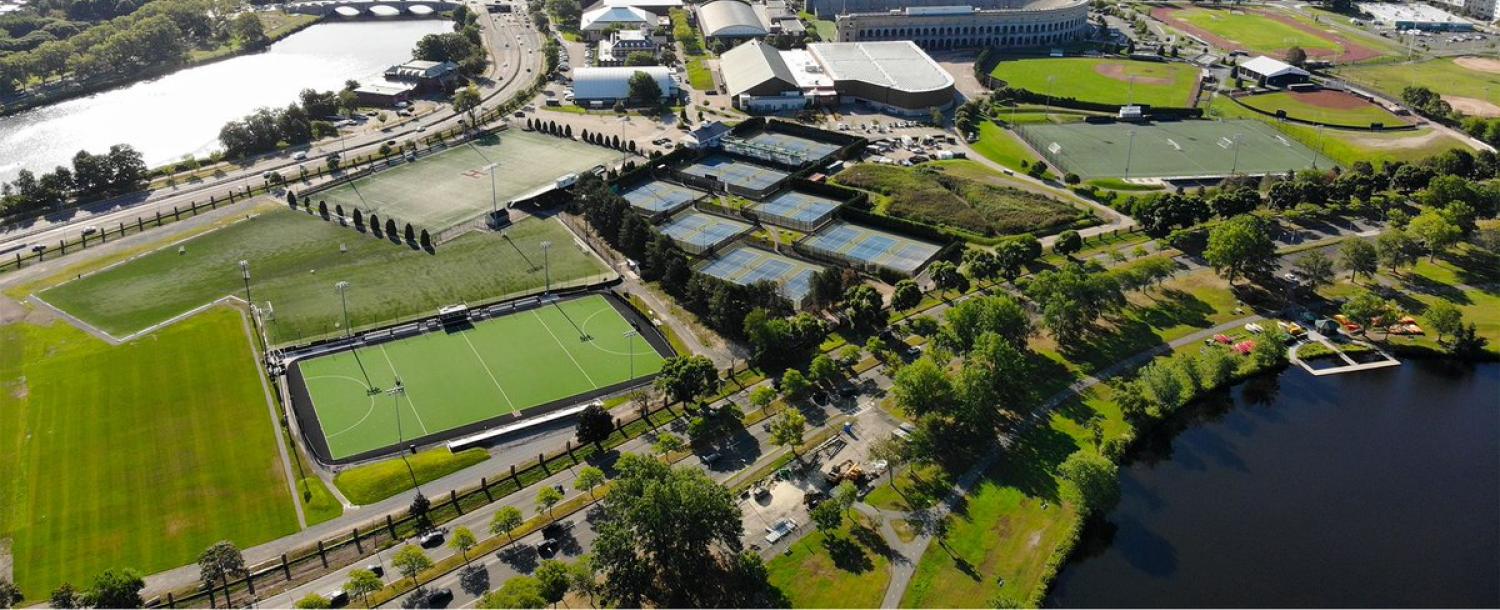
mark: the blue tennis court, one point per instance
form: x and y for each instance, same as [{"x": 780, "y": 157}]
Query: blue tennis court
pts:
[
  {"x": 814, "y": 150},
  {"x": 745, "y": 265},
  {"x": 737, "y": 173},
  {"x": 870, "y": 247},
  {"x": 660, "y": 196},
  {"x": 696, "y": 231},
  {"x": 796, "y": 210}
]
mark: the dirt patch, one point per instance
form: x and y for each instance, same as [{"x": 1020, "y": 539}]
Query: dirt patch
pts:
[
  {"x": 1120, "y": 73},
  {"x": 1472, "y": 106},
  {"x": 11, "y": 311},
  {"x": 1479, "y": 64},
  {"x": 1327, "y": 98},
  {"x": 20, "y": 389},
  {"x": 1398, "y": 143}
]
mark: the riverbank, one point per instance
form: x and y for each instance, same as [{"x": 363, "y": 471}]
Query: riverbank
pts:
[{"x": 291, "y": 25}]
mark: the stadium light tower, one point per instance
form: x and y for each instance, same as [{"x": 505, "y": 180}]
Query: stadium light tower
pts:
[
  {"x": 254, "y": 323},
  {"x": 343, "y": 288},
  {"x": 494, "y": 199},
  {"x": 630, "y": 336},
  {"x": 1234, "y": 165},
  {"x": 547, "y": 268},
  {"x": 1129, "y": 152}
]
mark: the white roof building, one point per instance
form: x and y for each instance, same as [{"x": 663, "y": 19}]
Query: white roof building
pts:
[
  {"x": 613, "y": 83},
  {"x": 605, "y": 17},
  {"x": 730, "y": 19},
  {"x": 1270, "y": 67}
]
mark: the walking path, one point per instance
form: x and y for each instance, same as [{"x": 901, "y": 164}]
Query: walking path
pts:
[{"x": 1113, "y": 220}]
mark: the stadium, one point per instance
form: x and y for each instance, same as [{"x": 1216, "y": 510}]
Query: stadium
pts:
[{"x": 945, "y": 25}]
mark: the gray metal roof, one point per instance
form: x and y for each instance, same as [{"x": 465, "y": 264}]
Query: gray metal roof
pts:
[
  {"x": 751, "y": 64},
  {"x": 899, "y": 65},
  {"x": 729, "y": 18}
]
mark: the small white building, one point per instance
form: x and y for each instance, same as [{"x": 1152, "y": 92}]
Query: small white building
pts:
[
  {"x": 1273, "y": 72},
  {"x": 605, "y": 86}
]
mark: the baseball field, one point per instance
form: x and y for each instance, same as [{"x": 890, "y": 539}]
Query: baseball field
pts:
[
  {"x": 1470, "y": 84},
  {"x": 1324, "y": 106},
  {"x": 1105, "y": 81},
  {"x": 1265, "y": 32}
]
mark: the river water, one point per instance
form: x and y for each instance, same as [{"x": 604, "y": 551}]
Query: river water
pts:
[
  {"x": 181, "y": 113},
  {"x": 1373, "y": 489}
]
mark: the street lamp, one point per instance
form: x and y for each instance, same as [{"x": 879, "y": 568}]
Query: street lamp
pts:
[
  {"x": 630, "y": 336},
  {"x": 547, "y": 268}
]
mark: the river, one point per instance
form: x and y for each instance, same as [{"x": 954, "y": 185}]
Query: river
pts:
[
  {"x": 180, "y": 114},
  {"x": 1373, "y": 489}
]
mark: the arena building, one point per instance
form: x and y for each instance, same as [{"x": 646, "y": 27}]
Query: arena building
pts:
[
  {"x": 1012, "y": 24},
  {"x": 896, "y": 77}
]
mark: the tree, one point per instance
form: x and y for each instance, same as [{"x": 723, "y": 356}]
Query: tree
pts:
[
  {"x": 589, "y": 477},
  {"x": 668, "y": 443},
  {"x": 644, "y": 89},
  {"x": 1316, "y": 268},
  {"x": 505, "y": 521},
  {"x": 463, "y": 539},
  {"x": 1296, "y": 56},
  {"x": 671, "y": 537},
  {"x": 583, "y": 579},
  {"x": 1091, "y": 481},
  {"x": 220, "y": 562},
  {"x": 553, "y": 580},
  {"x": 594, "y": 425},
  {"x": 115, "y": 588},
  {"x": 518, "y": 592},
  {"x": 546, "y": 498},
  {"x": 640, "y": 58},
  {"x": 362, "y": 583},
  {"x": 1434, "y": 231},
  {"x": 1444, "y": 319},
  {"x": 64, "y": 596},
  {"x": 1067, "y": 243},
  {"x": 829, "y": 517},
  {"x": 863, "y": 307},
  {"x": 823, "y": 370},
  {"x": 894, "y": 451},
  {"x": 467, "y": 100},
  {"x": 788, "y": 429},
  {"x": 1395, "y": 249},
  {"x": 411, "y": 560},
  {"x": 313, "y": 601},
  {"x": 1358, "y": 257},
  {"x": 945, "y": 276},
  {"x": 923, "y": 387},
  {"x": 685, "y": 378},
  {"x": 1366, "y": 308},
  {"x": 247, "y": 29},
  {"x": 762, "y": 396},
  {"x": 998, "y": 314},
  {"x": 906, "y": 295},
  {"x": 794, "y": 385},
  {"x": 1466, "y": 342},
  {"x": 1240, "y": 247},
  {"x": 10, "y": 594},
  {"x": 983, "y": 265}
]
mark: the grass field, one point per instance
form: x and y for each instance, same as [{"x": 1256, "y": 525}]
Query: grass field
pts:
[
  {"x": 369, "y": 483},
  {"x": 962, "y": 203},
  {"x": 849, "y": 569},
  {"x": 295, "y": 262},
  {"x": 1324, "y": 107},
  {"x": 1106, "y": 81},
  {"x": 1171, "y": 149},
  {"x": 453, "y": 186},
  {"x": 998, "y": 144},
  {"x": 1346, "y": 147},
  {"x": 1444, "y": 76},
  {"x": 138, "y": 455},
  {"x": 1256, "y": 33},
  {"x": 500, "y": 366}
]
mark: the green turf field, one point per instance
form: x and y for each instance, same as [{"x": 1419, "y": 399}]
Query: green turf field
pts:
[
  {"x": 295, "y": 262},
  {"x": 1106, "y": 81},
  {"x": 139, "y": 455},
  {"x": 500, "y": 366},
  {"x": 1298, "y": 106},
  {"x": 1441, "y": 75},
  {"x": 1254, "y": 33},
  {"x": 453, "y": 186},
  {"x": 1168, "y": 149}
]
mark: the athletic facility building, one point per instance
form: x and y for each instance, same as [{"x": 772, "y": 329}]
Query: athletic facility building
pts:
[
  {"x": 1169, "y": 150},
  {"x": 1271, "y": 72},
  {"x": 998, "y": 24},
  {"x": 468, "y": 371},
  {"x": 895, "y": 76},
  {"x": 607, "y": 85}
]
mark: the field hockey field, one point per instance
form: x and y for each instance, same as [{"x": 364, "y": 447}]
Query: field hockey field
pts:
[
  {"x": 139, "y": 455},
  {"x": 1168, "y": 149},
  {"x": 1324, "y": 106},
  {"x": 450, "y": 380},
  {"x": 453, "y": 186},
  {"x": 1105, "y": 81},
  {"x": 295, "y": 260}
]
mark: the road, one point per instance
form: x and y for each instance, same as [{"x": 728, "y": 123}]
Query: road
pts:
[{"x": 516, "y": 58}]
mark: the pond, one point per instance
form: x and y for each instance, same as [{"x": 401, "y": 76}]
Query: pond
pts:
[
  {"x": 1374, "y": 489},
  {"x": 180, "y": 114}
]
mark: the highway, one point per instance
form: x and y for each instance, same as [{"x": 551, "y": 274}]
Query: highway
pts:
[{"x": 516, "y": 58}]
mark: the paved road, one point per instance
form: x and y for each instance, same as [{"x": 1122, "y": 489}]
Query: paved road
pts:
[{"x": 511, "y": 71}]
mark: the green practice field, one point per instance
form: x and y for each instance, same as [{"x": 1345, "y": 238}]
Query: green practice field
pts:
[
  {"x": 1169, "y": 149},
  {"x": 139, "y": 455},
  {"x": 1324, "y": 106},
  {"x": 453, "y": 186},
  {"x": 295, "y": 260},
  {"x": 1255, "y": 33},
  {"x": 452, "y": 379},
  {"x": 1449, "y": 77},
  {"x": 1106, "y": 81}
]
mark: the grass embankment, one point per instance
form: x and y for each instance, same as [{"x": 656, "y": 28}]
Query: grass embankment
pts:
[
  {"x": 137, "y": 455},
  {"x": 849, "y": 568},
  {"x": 998, "y": 144},
  {"x": 318, "y": 504},
  {"x": 275, "y": 24},
  {"x": 1104, "y": 81},
  {"x": 1347, "y": 147},
  {"x": 1295, "y": 106},
  {"x": 295, "y": 260},
  {"x": 370, "y": 483},
  {"x": 939, "y": 198}
]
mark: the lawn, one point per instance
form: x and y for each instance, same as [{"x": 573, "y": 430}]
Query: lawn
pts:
[
  {"x": 462, "y": 377},
  {"x": 370, "y": 483},
  {"x": 1312, "y": 107},
  {"x": 1105, "y": 81},
  {"x": 1444, "y": 76},
  {"x": 138, "y": 455},
  {"x": 850, "y": 569},
  {"x": 998, "y": 144},
  {"x": 1255, "y": 33},
  {"x": 318, "y": 504},
  {"x": 1347, "y": 147},
  {"x": 295, "y": 260},
  {"x": 936, "y": 197}
]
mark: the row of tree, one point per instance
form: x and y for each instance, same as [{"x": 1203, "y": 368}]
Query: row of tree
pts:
[
  {"x": 112, "y": 588},
  {"x": 300, "y": 122},
  {"x": 121, "y": 170}
]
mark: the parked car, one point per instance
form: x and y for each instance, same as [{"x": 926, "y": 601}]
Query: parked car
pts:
[{"x": 431, "y": 539}]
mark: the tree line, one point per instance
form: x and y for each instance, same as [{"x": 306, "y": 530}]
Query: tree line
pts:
[
  {"x": 302, "y": 121},
  {"x": 1430, "y": 104},
  {"x": 121, "y": 170}
]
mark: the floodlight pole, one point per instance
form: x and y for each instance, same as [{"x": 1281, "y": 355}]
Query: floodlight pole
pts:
[
  {"x": 1234, "y": 165},
  {"x": 1129, "y": 152},
  {"x": 343, "y": 288},
  {"x": 630, "y": 338},
  {"x": 254, "y": 323},
  {"x": 1319, "y": 151},
  {"x": 494, "y": 198},
  {"x": 547, "y": 268},
  {"x": 395, "y": 392}
]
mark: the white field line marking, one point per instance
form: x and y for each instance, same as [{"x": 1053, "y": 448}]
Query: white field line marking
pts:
[
  {"x": 361, "y": 385},
  {"x": 487, "y": 371},
  {"x": 404, "y": 390},
  {"x": 564, "y": 349}
]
